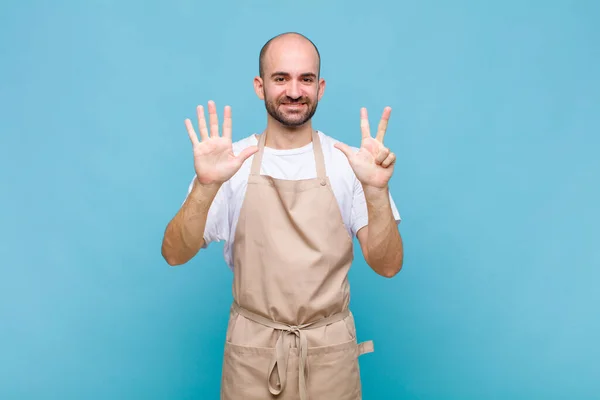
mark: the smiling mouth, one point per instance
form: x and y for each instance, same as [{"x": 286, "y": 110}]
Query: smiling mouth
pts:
[{"x": 293, "y": 105}]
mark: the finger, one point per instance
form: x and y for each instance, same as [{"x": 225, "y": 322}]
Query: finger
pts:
[
  {"x": 227, "y": 122},
  {"x": 391, "y": 159},
  {"x": 382, "y": 155},
  {"x": 202, "y": 123},
  {"x": 383, "y": 123},
  {"x": 364, "y": 123},
  {"x": 191, "y": 132},
  {"x": 213, "y": 119},
  {"x": 344, "y": 148},
  {"x": 247, "y": 152}
]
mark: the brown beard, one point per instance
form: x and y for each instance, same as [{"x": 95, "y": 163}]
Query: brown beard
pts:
[{"x": 273, "y": 110}]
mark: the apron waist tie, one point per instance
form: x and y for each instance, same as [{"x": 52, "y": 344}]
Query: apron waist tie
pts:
[{"x": 279, "y": 361}]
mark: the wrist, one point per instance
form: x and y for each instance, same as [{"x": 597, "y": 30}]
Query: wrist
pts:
[
  {"x": 377, "y": 198},
  {"x": 204, "y": 191},
  {"x": 375, "y": 190}
]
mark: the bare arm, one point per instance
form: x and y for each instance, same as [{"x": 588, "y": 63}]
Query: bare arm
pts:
[
  {"x": 214, "y": 163},
  {"x": 373, "y": 165},
  {"x": 380, "y": 241},
  {"x": 184, "y": 235}
]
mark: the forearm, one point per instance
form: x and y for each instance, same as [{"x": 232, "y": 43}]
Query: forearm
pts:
[
  {"x": 384, "y": 243},
  {"x": 184, "y": 235}
]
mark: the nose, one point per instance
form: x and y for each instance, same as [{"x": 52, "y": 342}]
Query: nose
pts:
[{"x": 293, "y": 90}]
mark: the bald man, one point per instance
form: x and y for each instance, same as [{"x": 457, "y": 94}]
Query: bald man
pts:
[{"x": 288, "y": 203}]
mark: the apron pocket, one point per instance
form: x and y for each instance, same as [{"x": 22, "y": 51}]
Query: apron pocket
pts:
[
  {"x": 244, "y": 374},
  {"x": 333, "y": 372}
]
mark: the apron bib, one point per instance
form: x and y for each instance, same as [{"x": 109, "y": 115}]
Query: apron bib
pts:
[{"x": 291, "y": 335}]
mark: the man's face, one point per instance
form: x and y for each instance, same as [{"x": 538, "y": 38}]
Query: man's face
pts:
[{"x": 291, "y": 86}]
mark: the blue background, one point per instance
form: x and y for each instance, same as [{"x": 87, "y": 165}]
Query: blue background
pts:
[{"x": 496, "y": 125}]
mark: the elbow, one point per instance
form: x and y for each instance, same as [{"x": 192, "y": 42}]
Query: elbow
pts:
[
  {"x": 172, "y": 258},
  {"x": 171, "y": 252},
  {"x": 391, "y": 272},
  {"x": 173, "y": 262},
  {"x": 175, "y": 258},
  {"x": 388, "y": 270},
  {"x": 386, "y": 260}
]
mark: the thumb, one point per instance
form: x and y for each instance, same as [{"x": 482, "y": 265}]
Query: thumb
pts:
[
  {"x": 344, "y": 148},
  {"x": 247, "y": 152}
]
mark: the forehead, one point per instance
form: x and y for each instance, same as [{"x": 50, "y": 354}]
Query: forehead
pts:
[{"x": 292, "y": 55}]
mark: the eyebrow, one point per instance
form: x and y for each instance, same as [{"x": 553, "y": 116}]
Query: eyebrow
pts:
[{"x": 306, "y": 74}]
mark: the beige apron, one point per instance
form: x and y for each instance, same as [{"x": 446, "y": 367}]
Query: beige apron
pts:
[{"x": 290, "y": 333}]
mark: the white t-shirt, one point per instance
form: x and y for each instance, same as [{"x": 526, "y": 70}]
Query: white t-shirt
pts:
[{"x": 290, "y": 164}]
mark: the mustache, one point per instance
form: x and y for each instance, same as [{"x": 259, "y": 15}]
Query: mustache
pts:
[{"x": 288, "y": 100}]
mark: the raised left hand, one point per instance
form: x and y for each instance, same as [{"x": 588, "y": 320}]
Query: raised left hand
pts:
[{"x": 373, "y": 164}]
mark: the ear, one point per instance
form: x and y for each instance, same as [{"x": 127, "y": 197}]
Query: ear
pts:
[
  {"x": 321, "y": 88},
  {"x": 259, "y": 88}
]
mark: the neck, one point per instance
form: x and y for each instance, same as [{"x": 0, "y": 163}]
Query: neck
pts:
[{"x": 284, "y": 138}]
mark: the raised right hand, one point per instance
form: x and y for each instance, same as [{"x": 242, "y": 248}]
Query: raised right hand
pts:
[{"x": 214, "y": 160}]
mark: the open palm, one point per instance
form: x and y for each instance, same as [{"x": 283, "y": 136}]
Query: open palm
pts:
[
  {"x": 373, "y": 164},
  {"x": 214, "y": 159}
]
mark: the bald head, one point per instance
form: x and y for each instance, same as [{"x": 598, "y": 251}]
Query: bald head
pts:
[{"x": 288, "y": 40}]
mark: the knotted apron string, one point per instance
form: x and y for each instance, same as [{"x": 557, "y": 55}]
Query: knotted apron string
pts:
[{"x": 279, "y": 361}]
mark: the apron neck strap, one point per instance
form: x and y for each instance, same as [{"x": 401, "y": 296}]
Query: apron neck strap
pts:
[
  {"x": 317, "y": 150},
  {"x": 257, "y": 159},
  {"x": 319, "y": 158}
]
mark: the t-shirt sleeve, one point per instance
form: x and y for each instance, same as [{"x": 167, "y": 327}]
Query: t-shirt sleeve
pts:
[
  {"x": 360, "y": 216},
  {"x": 217, "y": 222}
]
